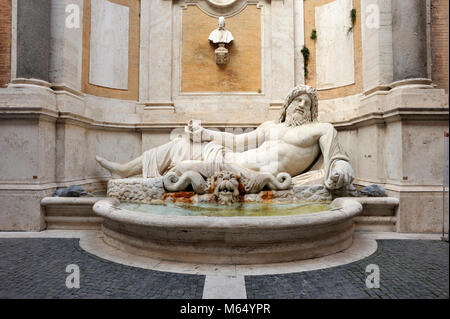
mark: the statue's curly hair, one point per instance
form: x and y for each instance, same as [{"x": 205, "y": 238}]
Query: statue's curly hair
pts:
[{"x": 297, "y": 91}]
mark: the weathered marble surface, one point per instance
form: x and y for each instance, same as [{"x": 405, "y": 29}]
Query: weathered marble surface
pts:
[
  {"x": 109, "y": 44},
  {"x": 148, "y": 190},
  {"x": 66, "y": 46},
  {"x": 136, "y": 189},
  {"x": 376, "y": 31},
  {"x": 334, "y": 45},
  {"x": 314, "y": 193},
  {"x": 33, "y": 39}
]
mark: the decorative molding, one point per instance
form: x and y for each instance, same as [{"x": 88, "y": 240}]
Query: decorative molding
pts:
[
  {"x": 158, "y": 105},
  {"x": 46, "y": 185},
  {"x": 378, "y": 88},
  {"x": 398, "y": 186},
  {"x": 29, "y": 82},
  {"x": 221, "y": 8},
  {"x": 56, "y": 87},
  {"x": 62, "y": 87},
  {"x": 218, "y": 8},
  {"x": 374, "y": 118},
  {"x": 275, "y": 105},
  {"x": 393, "y": 115},
  {"x": 420, "y": 83}
]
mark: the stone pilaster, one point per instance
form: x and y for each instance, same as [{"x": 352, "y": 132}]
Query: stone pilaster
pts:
[
  {"x": 377, "y": 44},
  {"x": 282, "y": 49},
  {"x": 299, "y": 42},
  {"x": 159, "y": 43},
  {"x": 66, "y": 46},
  {"x": 33, "y": 39},
  {"x": 409, "y": 39}
]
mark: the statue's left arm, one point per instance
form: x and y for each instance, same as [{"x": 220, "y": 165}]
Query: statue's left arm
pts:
[
  {"x": 338, "y": 171},
  {"x": 230, "y": 140}
]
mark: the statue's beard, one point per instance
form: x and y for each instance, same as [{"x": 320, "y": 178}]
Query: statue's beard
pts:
[{"x": 293, "y": 121}]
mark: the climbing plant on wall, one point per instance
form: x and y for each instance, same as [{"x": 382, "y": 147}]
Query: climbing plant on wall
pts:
[
  {"x": 305, "y": 53},
  {"x": 352, "y": 20}
]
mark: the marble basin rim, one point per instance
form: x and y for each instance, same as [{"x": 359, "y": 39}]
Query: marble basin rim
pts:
[{"x": 229, "y": 240}]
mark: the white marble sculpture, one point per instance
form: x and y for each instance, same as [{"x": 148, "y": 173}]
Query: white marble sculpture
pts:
[
  {"x": 221, "y": 35},
  {"x": 295, "y": 144}
]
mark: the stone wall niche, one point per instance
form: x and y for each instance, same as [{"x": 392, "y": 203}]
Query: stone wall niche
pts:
[{"x": 199, "y": 70}]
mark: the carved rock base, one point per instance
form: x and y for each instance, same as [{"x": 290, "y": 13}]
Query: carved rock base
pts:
[
  {"x": 148, "y": 190},
  {"x": 312, "y": 193},
  {"x": 142, "y": 190}
]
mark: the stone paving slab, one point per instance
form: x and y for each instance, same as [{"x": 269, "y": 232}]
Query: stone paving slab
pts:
[
  {"x": 408, "y": 269},
  {"x": 36, "y": 268}
]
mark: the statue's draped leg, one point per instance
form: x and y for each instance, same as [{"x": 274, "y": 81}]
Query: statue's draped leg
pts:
[
  {"x": 159, "y": 160},
  {"x": 205, "y": 158}
]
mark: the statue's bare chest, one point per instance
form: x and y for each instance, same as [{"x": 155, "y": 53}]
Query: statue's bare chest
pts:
[
  {"x": 303, "y": 137},
  {"x": 295, "y": 149}
]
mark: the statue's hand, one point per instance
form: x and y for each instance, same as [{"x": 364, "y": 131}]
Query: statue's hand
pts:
[
  {"x": 341, "y": 175},
  {"x": 195, "y": 130},
  {"x": 193, "y": 125}
]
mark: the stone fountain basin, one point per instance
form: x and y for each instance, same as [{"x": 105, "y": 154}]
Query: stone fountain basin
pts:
[{"x": 229, "y": 240}]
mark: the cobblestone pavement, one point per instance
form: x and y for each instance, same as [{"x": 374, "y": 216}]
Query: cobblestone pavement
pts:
[
  {"x": 408, "y": 269},
  {"x": 36, "y": 268}
]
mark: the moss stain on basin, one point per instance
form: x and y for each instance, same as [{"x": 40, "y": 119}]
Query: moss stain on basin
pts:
[{"x": 239, "y": 209}]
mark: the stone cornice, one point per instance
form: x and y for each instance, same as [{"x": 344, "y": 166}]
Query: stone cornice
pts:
[
  {"x": 399, "y": 186},
  {"x": 393, "y": 115},
  {"x": 374, "y": 118},
  {"x": 32, "y": 113},
  {"x": 75, "y": 119}
]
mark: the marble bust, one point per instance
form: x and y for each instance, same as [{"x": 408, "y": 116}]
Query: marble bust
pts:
[
  {"x": 221, "y": 35},
  {"x": 296, "y": 144}
]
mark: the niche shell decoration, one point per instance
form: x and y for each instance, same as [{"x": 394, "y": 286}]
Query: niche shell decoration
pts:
[{"x": 221, "y": 8}]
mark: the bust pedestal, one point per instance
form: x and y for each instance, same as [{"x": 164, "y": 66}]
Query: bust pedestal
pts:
[{"x": 221, "y": 53}]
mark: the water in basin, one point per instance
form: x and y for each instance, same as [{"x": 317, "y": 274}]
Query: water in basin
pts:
[
  {"x": 239, "y": 209},
  {"x": 96, "y": 193}
]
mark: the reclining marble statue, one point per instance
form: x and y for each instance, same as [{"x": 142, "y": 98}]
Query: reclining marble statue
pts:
[{"x": 296, "y": 145}]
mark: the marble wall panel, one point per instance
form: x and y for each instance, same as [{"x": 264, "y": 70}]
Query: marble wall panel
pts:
[
  {"x": 334, "y": 45},
  {"x": 109, "y": 44}
]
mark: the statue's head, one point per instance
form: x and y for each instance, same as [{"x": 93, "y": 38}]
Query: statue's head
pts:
[
  {"x": 300, "y": 106},
  {"x": 221, "y": 22}
]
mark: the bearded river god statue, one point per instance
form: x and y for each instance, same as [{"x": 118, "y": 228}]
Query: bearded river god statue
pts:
[{"x": 296, "y": 146}]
